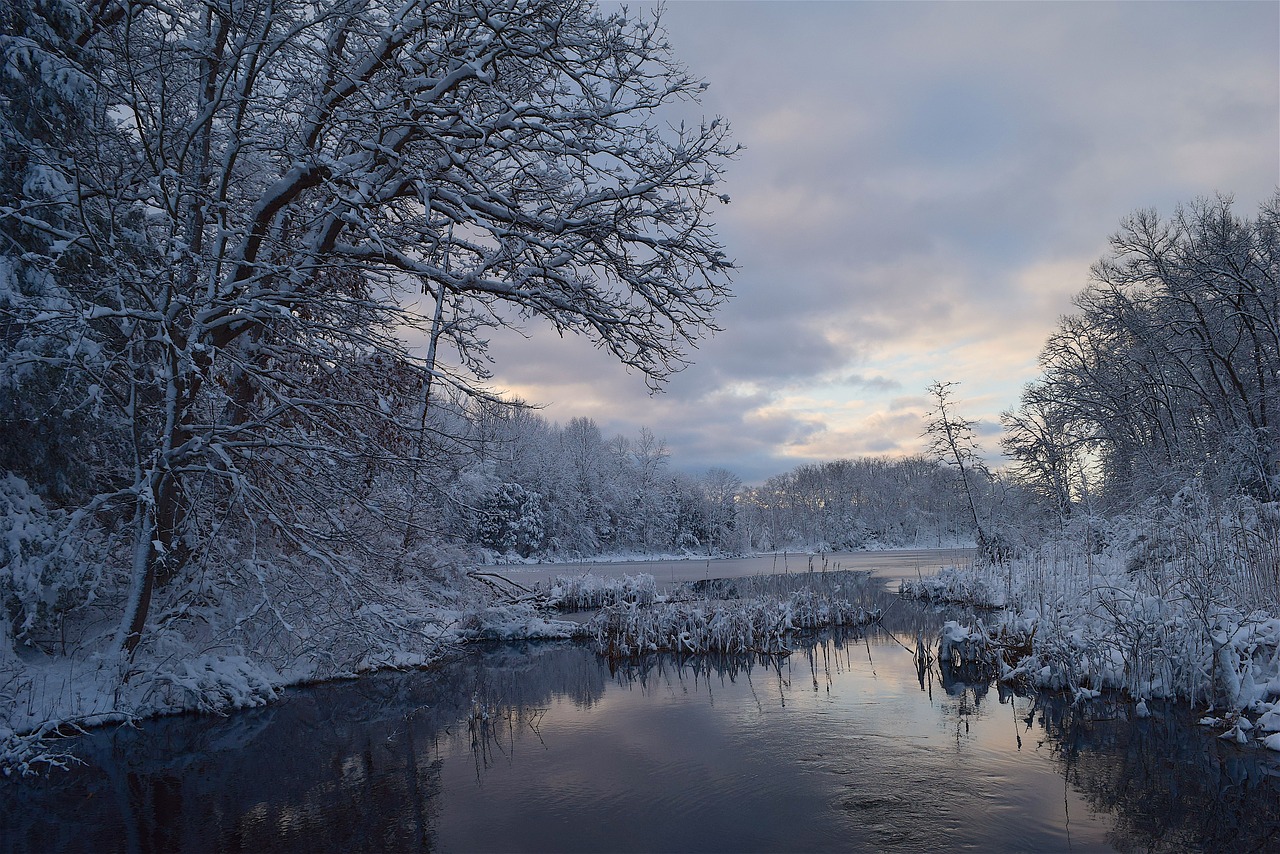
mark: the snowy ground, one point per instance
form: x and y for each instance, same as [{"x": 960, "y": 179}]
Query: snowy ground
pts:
[{"x": 43, "y": 693}]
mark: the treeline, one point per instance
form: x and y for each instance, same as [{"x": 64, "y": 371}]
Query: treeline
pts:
[
  {"x": 859, "y": 503},
  {"x": 1167, "y": 375},
  {"x": 520, "y": 484},
  {"x": 1157, "y": 411}
]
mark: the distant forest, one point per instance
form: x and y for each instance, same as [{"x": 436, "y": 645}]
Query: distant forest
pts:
[{"x": 522, "y": 486}]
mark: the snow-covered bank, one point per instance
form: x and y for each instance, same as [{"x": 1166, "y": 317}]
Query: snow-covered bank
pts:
[
  {"x": 1156, "y": 613},
  {"x": 48, "y": 694},
  {"x": 417, "y": 624}
]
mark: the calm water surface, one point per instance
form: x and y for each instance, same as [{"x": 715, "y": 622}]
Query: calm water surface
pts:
[
  {"x": 889, "y": 565},
  {"x": 542, "y": 747}
]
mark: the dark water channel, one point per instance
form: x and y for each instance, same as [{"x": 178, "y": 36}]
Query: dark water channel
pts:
[{"x": 541, "y": 747}]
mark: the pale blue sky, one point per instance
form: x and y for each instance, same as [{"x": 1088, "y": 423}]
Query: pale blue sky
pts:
[{"x": 923, "y": 189}]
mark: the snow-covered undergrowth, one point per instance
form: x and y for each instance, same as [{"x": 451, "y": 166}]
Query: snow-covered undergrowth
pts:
[
  {"x": 229, "y": 637},
  {"x": 1178, "y": 604},
  {"x": 234, "y": 636},
  {"x": 958, "y": 585},
  {"x": 589, "y": 592},
  {"x": 739, "y": 616},
  {"x": 734, "y": 627}
]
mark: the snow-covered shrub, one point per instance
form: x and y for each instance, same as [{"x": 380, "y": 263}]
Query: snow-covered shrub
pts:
[
  {"x": 965, "y": 585},
  {"x": 1175, "y": 601},
  {"x": 220, "y": 683},
  {"x": 43, "y": 574}
]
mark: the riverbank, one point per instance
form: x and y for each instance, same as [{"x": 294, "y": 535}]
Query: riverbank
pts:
[
  {"x": 545, "y": 746},
  {"x": 1098, "y": 622},
  {"x": 415, "y": 625}
]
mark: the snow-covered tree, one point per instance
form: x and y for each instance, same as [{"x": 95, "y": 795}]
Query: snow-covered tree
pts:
[
  {"x": 1046, "y": 452},
  {"x": 1167, "y": 372},
  {"x": 649, "y": 521},
  {"x": 511, "y": 520},
  {"x": 720, "y": 489},
  {"x": 850, "y": 504},
  {"x": 953, "y": 443},
  {"x": 214, "y": 247}
]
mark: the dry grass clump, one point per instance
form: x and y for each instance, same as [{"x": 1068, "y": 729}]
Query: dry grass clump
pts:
[
  {"x": 588, "y": 592},
  {"x": 763, "y": 625}
]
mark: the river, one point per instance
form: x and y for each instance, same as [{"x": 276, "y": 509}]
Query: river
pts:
[
  {"x": 842, "y": 746},
  {"x": 889, "y": 565}
]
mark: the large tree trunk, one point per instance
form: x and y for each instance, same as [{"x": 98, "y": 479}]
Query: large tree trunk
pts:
[
  {"x": 141, "y": 581},
  {"x": 159, "y": 553}
]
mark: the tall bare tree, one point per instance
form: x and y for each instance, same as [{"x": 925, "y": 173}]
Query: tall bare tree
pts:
[
  {"x": 952, "y": 442},
  {"x": 222, "y": 265}
]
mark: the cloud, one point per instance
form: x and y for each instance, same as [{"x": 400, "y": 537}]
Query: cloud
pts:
[
  {"x": 923, "y": 190},
  {"x": 878, "y": 383}
]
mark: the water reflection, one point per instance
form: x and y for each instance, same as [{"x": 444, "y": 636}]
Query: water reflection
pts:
[
  {"x": 841, "y": 746},
  {"x": 351, "y": 766},
  {"x": 1169, "y": 785}
]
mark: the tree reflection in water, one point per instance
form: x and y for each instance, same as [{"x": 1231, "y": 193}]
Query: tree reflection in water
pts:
[
  {"x": 1170, "y": 785},
  {"x": 349, "y": 766}
]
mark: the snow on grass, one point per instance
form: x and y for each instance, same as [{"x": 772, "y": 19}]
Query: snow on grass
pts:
[
  {"x": 588, "y": 592},
  {"x": 242, "y": 651},
  {"x": 761, "y": 623},
  {"x": 240, "y": 647},
  {"x": 961, "y": 585},
  {"x": 1155, "y": 609}
]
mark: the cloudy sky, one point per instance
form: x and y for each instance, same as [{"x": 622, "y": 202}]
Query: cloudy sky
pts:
[{"x": 923, "y": 189}]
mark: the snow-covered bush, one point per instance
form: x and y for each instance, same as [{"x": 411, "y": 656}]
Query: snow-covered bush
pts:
[
  {"x": 220, "y": 683},
  {"x": 965, "y": 585},
  {"x": 1178, "y": 601},
  {"x": 44, "y": 573}
]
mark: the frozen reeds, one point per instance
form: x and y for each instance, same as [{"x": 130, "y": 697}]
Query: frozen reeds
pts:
[
  {"x": 589, "y": 592},
  {"x": 760, "y": 625},
  {"x": 959, "y": 585},
  {"x": 1180, "y": 603}
]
